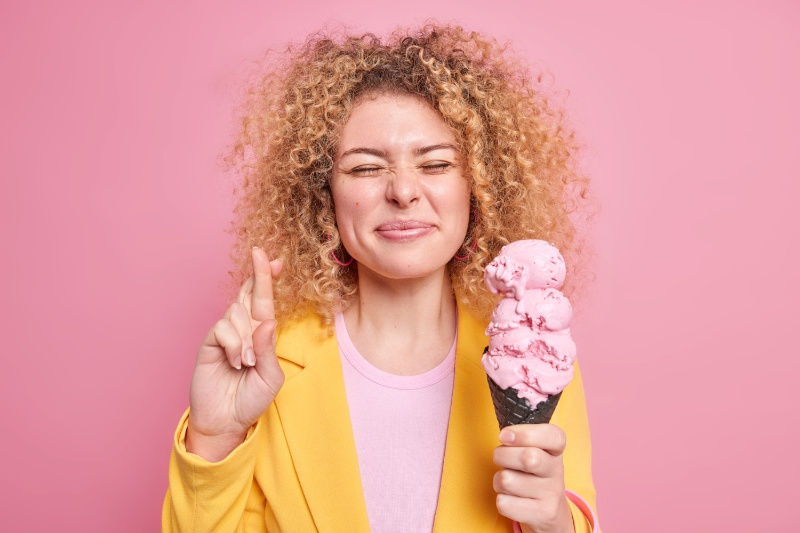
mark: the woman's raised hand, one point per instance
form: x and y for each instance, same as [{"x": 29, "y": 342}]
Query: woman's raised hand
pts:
[
  {"x": 237, "y": 375},
  {"x": 530, "y": 489}
]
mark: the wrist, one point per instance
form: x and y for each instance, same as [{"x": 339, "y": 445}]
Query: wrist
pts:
[{"x": 212, "y": 448}]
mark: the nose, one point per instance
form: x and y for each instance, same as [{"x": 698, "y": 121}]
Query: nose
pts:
[{"x": 403, "y": 187}]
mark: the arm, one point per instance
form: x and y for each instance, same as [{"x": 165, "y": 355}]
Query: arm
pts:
[
  {"x": 236, "y": 378},
  {"x": 206, "y": 496}
]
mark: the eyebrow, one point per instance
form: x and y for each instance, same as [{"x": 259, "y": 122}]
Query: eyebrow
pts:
[
  {"x": 443, "y": 146},
  {"x": 418, "y": 152},
  {"x": 370, "y": 151}
]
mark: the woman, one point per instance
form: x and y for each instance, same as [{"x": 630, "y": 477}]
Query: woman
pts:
[{"x": 343, "y": 391}]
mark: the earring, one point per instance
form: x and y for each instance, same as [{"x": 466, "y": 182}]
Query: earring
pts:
[
  {"x": 336, "y": 260},
  {"x": 464, "y": 258}
]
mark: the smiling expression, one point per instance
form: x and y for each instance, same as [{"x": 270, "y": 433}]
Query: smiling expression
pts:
[{"x": 401, "y": 199}]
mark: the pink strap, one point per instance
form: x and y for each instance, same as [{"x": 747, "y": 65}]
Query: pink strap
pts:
[{"x": 585, "y": 508}]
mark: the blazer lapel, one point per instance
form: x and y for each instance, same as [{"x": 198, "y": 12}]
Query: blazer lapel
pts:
[
  {"x": 320, "y": 439},
  {"x": 466, "y": 496}
]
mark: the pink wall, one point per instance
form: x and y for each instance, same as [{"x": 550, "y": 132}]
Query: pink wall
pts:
[{"x": 114, "y": 209}]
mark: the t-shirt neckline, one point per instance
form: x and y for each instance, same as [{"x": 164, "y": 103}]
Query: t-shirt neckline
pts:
[{"x": 386, "y": 379}]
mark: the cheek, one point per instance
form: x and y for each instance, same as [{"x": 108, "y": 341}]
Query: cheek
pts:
[
  {"x": 352, "y": 200},
  {"x": 350, "y": 211},
  {"x": 458, "y": 200},
  {"x": 346, "y": 209},
  {"x": 340, "y": 203}
]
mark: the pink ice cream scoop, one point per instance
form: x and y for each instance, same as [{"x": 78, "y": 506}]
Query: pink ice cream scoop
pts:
[
  {"x": 526, "y": 264},
  {"x": 531, "y": 353}
]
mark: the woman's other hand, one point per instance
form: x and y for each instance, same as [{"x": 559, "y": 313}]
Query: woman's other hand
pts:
[
  {"x": 237, "y": 375},
  {"x": 530, "y": 488}
]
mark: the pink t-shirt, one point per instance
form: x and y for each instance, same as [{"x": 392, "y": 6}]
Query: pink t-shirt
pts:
[{"x": 400, "y": 427}]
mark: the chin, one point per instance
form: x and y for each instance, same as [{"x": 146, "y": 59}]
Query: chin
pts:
[{"x": 413, "y": 270}]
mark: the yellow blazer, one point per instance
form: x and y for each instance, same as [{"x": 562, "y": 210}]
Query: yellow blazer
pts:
[{"x": 297, "y": 470}]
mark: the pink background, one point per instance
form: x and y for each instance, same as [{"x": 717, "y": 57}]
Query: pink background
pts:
[{"x": 114, "y": 212}]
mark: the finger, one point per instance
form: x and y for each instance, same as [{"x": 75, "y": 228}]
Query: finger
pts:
[
  {"x": 240, "y": 319},
  {"x": 541, "y": 515},
  {"x": 262, "y": 305},
  {"x": 516, "y": 508},
  {"x": 266, "y": 361},
  {"x": 548, "y": 437},
  {"x": 520, "y": 484},
  {"x": 245, "y": 291},
  {"x": 245, "y": 295},
  {"x": 276, "y": 266},
  {"x": 529, "y": 459},
  {"x": 224, "y": 335}
]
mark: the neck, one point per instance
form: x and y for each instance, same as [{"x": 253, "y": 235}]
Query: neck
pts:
[{"x": 404, "y": 327}]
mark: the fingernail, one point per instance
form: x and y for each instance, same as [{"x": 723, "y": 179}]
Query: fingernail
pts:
[
  {"x": 507, "y": 436},
  {"x": 237, "y": 363},
  {"x": 250, "y": 357}
]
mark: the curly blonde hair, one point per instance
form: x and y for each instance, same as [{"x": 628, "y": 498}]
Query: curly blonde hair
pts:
[{"x": 518, "y": 153}]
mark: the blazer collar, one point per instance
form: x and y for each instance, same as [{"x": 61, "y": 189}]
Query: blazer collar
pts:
[
  {"x": 313, "y": 409},
  {"x": 312, "y": 406}
]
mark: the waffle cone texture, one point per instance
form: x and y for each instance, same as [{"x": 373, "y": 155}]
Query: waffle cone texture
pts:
[{"x": 511, "y": 409}]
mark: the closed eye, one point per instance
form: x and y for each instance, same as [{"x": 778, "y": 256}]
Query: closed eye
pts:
[
  {"x": 376, "y": 170},
  {"x": 366, "y": 171},
  {"x": 436, "y": 168}
]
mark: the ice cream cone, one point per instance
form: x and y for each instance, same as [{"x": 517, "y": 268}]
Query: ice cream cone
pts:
[
  {"x": 530, "y": 348},
  {"x": 511, "y": 409}
]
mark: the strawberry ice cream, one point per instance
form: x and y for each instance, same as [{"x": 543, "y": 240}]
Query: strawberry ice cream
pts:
[{"x": 531, "y": 353}]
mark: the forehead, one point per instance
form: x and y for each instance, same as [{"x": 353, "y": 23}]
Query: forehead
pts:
[{"x": 393, "y": 119}]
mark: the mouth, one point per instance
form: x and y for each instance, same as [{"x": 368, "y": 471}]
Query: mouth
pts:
[{"x": 404, "y": 230}]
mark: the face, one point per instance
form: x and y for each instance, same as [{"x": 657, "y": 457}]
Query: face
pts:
[{"x": 401, "y": 199}]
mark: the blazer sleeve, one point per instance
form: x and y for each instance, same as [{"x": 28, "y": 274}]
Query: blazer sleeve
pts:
[
  {"x": 571, "y": 416},
  {"x": 204, "y": 496}
]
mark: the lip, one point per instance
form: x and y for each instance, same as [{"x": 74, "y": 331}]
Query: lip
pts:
[{"x": 404, "y": 230}]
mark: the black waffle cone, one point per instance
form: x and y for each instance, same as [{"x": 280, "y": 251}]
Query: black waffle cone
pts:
[{"x": 511, "y": 409}]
